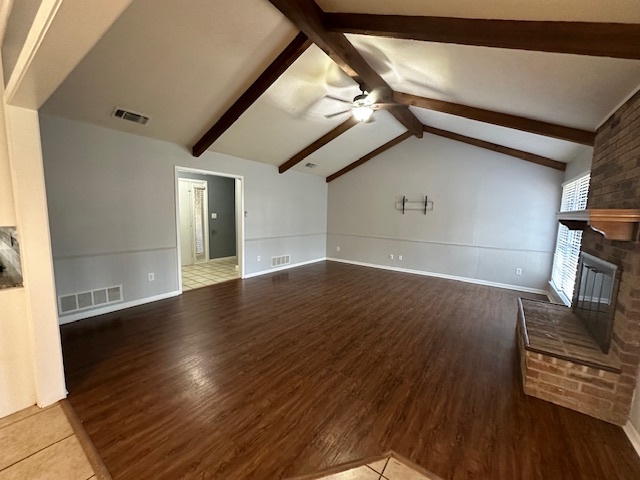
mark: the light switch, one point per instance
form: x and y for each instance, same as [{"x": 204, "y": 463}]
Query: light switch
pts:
[{"x": 214, "y": 216}]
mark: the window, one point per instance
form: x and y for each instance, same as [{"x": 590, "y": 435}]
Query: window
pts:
[{"x": 565, "y": 261}]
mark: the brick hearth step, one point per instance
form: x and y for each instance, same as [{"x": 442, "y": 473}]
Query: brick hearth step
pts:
[{"x": 561, "y": 363}]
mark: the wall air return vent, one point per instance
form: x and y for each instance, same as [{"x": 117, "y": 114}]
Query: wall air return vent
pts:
[
  {"x": 85, "y": 300},
  {"x": 93, "y": 298},
  {"x": 67, "y": 303},
  {"x": 281, "y": 260},
  {"x": 131, "y": 116}
]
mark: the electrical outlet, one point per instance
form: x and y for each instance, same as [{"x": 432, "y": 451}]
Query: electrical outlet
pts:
[
  {"x": 152, "y": 277},
  {"x": 518, "y": 271},
  {"x": 400, "y": 257},
  {"x": 337, "y": 249},
  {"x": 259, "y": 258},
  {"x": 391, "y": 256}
]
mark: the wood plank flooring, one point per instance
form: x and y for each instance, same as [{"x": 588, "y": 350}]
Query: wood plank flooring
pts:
[{"x": 290, "y": 373}]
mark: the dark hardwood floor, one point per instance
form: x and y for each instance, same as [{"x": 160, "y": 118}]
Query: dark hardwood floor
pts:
[{"x": 290, "y": 373}]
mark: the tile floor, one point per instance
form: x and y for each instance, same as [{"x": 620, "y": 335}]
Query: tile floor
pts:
[
  {"x": 40, "y": 444},
  {"x": 205, "y": 274},
  {"x": 388, "y": 468}
]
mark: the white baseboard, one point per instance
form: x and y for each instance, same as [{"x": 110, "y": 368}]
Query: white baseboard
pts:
[
  {"x": 633, "y": 435},
  {"x": 284, "y": 267},
  {"x": 444, "y": 275},
  {"x": 114, "y": 308}
]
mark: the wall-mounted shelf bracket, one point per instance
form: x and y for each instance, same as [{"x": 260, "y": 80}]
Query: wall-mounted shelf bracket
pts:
[{"x": 404, "y": 205}]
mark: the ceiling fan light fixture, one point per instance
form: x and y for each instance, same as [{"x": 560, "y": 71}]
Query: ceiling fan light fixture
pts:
[{"x": 362, "y": 113}]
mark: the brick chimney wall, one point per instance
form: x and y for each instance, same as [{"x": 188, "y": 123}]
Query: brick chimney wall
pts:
[{"x": 615, "y": 183}]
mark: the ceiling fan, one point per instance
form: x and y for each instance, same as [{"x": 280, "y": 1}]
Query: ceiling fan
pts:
[{"x": 362, "y": 106}]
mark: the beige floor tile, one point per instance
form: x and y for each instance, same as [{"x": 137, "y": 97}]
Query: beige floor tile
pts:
[
  {"x": 206, "y": 274},
  {"x": 64, "y": 460},
  {"x": 16, "y": 417},
  {"x": 379, "y": 465},
  {"x": 359, "y": 473},
  {"x": 208, "y": 277},
  {"x": 396, "y": 470},
  {"x": 24, "y": 438}
]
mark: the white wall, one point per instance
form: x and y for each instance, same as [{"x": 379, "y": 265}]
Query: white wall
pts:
[
  {"x": 112, "y": 209},
  {"x": 17, "y": 388},
  {"x": 492, "y": 213},
  {"x": 25, "y": 156},
  {"x": 30, "y": 356},
  {"x": 579, "y": 165},
  {"x": 7, "y": 207}
]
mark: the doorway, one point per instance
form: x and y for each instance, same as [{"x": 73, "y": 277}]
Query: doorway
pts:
[{"x": 210, "y": 227}]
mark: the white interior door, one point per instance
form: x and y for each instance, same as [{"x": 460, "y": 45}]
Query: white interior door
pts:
[
  {"x": 186, "y": 238},
  {"x": 194, "y": 224},
  {"x": 200, "y": 221}
]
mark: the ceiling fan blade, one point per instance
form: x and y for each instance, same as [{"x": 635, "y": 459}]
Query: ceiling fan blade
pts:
[
  {"x": 331, "y": 115},
  {"x": 379, "y": 95},
  {"x": 338, "y": 99},
  {"x": 386, "y": 106}
]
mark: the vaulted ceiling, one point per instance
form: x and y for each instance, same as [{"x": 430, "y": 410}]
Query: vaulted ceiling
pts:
[{"x": 184, "y": 64}]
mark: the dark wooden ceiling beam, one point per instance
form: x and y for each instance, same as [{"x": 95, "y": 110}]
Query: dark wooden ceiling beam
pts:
[
  {"x": 289, "y": 55},
  {"x": 318, "y": 144},
  {"x": 618, "y": 40},
  {"x": 369, "y": 156},
  {"x": 538, "y": 127},
  {"x": 308, "y": 17},
  {"x": 529, "y": 157}
]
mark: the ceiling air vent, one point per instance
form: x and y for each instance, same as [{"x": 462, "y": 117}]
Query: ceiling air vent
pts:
[
  {"x": 311, "y": 165},
  {"x": 130, "y": 116}
]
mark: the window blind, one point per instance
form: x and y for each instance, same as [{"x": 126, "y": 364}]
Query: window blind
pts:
[{"x": 567, "y": 254}]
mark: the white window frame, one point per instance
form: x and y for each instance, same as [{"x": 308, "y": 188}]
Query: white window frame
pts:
[{"x": 568, "y": 242}]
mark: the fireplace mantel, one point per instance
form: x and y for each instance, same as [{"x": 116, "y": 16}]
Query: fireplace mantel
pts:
[{"x": 614, "y": 224}]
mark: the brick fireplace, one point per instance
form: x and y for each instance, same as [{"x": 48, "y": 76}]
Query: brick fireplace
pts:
[
  {"x": 615, "y": 183},
  {"x": 598, "y": 384}
]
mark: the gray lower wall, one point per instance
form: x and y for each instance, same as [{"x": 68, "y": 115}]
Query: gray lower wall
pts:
[
  {"x": 306, "y": 248},
  {"x": 491, "y": 213},
  {"x": 486, "y": 264},
  {"x": 221, "y": 193},
  {"x": 111, "y": 200}
]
